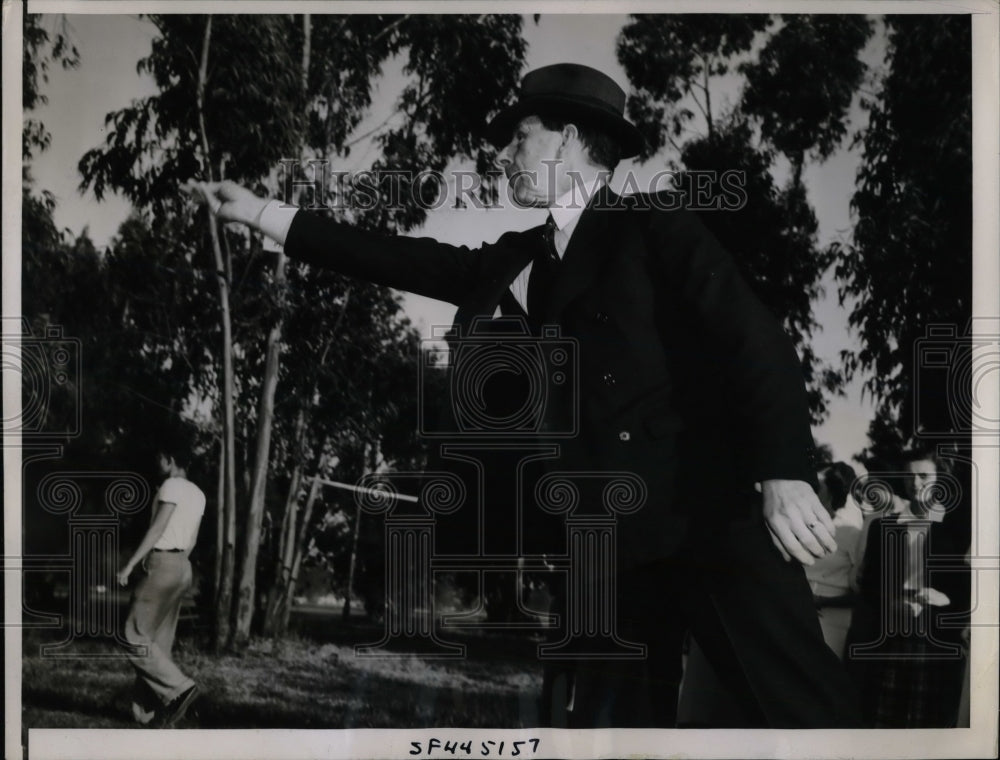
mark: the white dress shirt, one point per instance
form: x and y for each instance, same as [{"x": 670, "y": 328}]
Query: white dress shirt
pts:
[{"x": 565, "y": 212}]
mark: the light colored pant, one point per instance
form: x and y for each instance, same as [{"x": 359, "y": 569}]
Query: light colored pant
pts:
[
  {"x": 835, "y": 622},
  {"x": 150, "y": 629}
]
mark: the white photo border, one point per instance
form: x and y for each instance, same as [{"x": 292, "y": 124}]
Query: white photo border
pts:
[{"x": 980, "y": 740}]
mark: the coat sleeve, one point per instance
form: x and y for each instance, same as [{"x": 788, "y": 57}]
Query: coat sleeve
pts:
[
  {"x": 767, "y": 395},
  {"x": 416, "y": 265}
]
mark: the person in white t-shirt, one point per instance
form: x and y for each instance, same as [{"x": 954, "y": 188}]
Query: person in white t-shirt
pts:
[{"x": 163, "y": 692}]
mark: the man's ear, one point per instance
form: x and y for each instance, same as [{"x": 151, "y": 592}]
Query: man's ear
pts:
[{"x": 569, "y": 134}]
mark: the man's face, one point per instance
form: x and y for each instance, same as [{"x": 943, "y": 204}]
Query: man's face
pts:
[
  {"x": 530, "y": 162},
  {"x": 921, "y": 474}
]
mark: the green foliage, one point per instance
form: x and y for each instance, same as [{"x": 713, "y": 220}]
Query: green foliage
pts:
[
  {"x": 909, "y": 264},
  {"x": 803, "y": 81},
  {"x": 445, "y": 106},
  {"x": 793, "y": 101},
  {"x": 253, "y": 110},
  {"x": 668, "y": 57},
  {"x": 42, "y": 47},
  {"x": 347, "y": 374},
  {"x": 773, "y": 240},
  {"x": 256, "y": 114}
]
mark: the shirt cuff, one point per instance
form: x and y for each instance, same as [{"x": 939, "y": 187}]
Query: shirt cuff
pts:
[{"x": 275, "y": 219}]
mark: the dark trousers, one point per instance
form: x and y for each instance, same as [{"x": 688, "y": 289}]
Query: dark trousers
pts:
[{"x": 751, "y": 613}]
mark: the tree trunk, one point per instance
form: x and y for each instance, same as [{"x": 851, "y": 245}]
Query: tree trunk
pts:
[
  {"x": 354, "y": 559},
  {"x": 282, "y": 563},
  {"x": 246, "y": 597},
  {"x": 283, "y": 604},
  {"x": 224, "y": 598},
  {"x": 220, "y": 521},
  {"x": 372, "y": 463},
  {"x": 245, "y": 601},
  {"x": 286, "y": 539}
]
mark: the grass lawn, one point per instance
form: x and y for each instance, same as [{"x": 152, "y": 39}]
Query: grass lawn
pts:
[{"x": 300, "y": 682}]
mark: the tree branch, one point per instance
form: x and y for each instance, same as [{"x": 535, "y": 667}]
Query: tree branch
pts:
[
  {"x": 369, "y": 133},
  {"x": 390, "y": 27}
]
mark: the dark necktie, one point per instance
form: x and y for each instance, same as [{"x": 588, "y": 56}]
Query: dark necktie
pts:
[{"x": 543, "y": 273}]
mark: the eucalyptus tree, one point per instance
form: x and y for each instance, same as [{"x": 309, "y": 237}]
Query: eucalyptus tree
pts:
[
  {"x": 725, "y": 97},
  {"x": 235, "y": 96}
]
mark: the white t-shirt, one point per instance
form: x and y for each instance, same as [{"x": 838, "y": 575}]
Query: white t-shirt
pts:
[
  {"x": 182, "y": 527},
  {"x": 833, "y": 575}
]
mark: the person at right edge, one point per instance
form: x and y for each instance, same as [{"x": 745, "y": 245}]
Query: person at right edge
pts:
[
  {"x": 685, "y": 379},
  {"x": 907, "y": 644}
]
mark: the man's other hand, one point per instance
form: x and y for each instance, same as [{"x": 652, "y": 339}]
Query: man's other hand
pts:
[
  {"x": 228, "y": 201},
  {"x": 799, "y": 524}
]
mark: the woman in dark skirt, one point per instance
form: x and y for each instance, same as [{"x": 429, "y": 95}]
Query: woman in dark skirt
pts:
[{"x": 905, "y": 648}]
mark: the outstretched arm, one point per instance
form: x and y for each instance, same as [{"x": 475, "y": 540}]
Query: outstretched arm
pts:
[{"x": 416, "y": 265}]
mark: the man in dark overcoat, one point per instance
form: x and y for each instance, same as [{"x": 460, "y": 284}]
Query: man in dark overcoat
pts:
[{"x": 683, "y": 378}]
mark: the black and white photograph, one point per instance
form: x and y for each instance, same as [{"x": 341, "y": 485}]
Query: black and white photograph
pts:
[{"x": 441, "y": 380}]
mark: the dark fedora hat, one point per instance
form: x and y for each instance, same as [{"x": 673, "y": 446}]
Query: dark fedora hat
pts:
[{"x": 569, "y": 91}]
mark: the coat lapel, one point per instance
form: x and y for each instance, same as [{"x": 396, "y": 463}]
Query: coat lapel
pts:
[
  {"x": 588, "y": 248},
  {"x": 591, "y": 244}
]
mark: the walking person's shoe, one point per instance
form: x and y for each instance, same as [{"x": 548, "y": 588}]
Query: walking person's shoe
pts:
[
  {"x": 142, "y": 716},
  {"x": 174, "y": 710}
]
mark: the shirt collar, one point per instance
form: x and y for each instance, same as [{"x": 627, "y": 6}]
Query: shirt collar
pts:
[{"x": 570, "y": 205}]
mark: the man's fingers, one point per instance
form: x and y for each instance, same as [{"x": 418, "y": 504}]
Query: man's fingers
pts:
[
  {"x": 228, "y": 201},
  {"x": 790, "y": 543},
  {"x": 807, "y": 539},
  {"x": 811, "y": 523},
  {"x": 205, "y": 192},
  {"x": 824, "y": 535},
  {"x": 811, "y": 534},
  {"x": 821, "y": 517}
]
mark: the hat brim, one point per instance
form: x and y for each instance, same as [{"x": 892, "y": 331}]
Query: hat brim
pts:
[{"x": 501, "y": 128}]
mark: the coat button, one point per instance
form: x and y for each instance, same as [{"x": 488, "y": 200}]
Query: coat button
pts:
[
  {"x": 624, "y": 436},
  {"x": 601, "y": 317},
  {"x": 608, "y": 378}
]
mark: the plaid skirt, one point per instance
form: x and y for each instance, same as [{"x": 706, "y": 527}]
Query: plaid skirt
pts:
[{"x": 913, "y": 687}]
